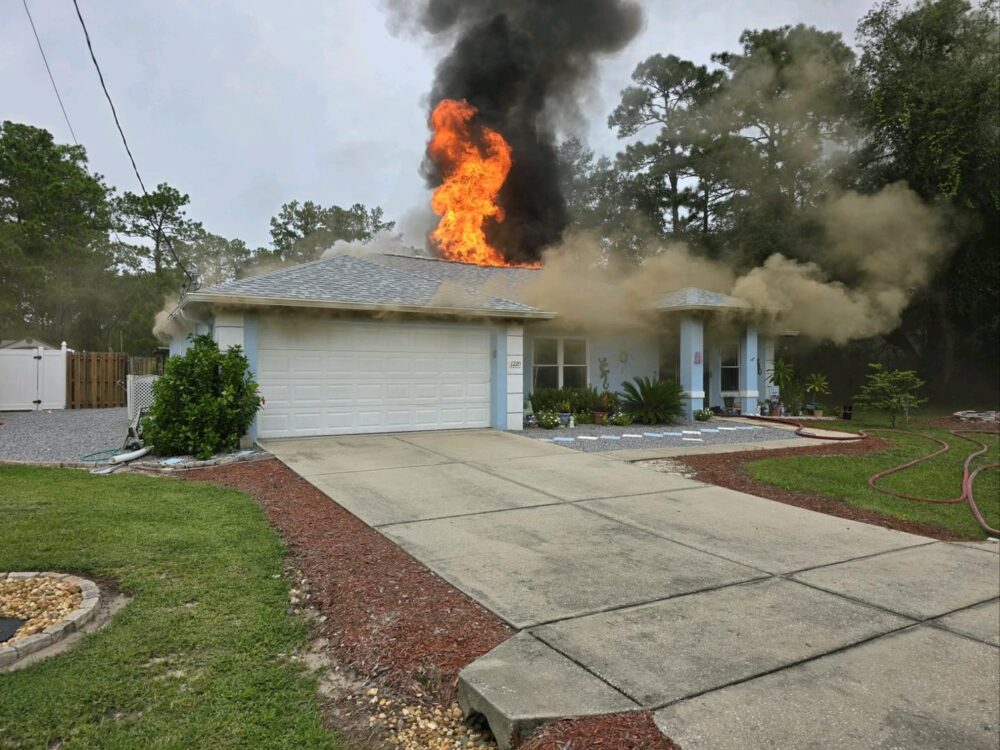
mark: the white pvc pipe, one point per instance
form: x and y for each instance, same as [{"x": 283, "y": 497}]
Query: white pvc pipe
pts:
[{"x": 123, "y": 457}]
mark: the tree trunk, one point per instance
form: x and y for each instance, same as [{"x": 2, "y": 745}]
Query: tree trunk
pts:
[
  {"x": 675, "y": 204},
  {"x": 704, "y": 213}
]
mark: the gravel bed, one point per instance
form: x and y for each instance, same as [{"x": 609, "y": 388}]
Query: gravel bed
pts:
[
  {"x": 612, "y": 438},
  {"x": 60, "y": 435}
]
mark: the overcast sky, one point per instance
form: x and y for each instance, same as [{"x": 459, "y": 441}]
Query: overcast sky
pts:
[{"x": 247, "y": 104}]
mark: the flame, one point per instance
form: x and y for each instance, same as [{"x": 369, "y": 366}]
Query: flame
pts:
[{"x": 474, "y": 161}]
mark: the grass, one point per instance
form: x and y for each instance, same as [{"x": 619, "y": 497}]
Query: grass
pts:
[
  {"x": 846, "y": 477},
  {"x": 196, "y": 658}
]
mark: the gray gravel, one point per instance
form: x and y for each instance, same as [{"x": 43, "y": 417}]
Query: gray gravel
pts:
[
  {"x": 714, "y": 432},
  {"x": 60, "y": 435}
]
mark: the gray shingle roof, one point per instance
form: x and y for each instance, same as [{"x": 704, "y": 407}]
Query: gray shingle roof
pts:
[
  {"x": 692, "y": 298},
  {"x": 383, "y": 280}
]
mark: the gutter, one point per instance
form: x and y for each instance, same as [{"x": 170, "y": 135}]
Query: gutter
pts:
[{"x": 254, "y": 301}]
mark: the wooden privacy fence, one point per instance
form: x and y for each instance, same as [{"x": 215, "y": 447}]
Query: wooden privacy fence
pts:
[
  {"x": 145, "y": 365},
  {"x": 95, "y": 380}
]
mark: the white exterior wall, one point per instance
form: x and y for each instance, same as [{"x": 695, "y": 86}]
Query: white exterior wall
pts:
[{"x": 515, "y": 376}]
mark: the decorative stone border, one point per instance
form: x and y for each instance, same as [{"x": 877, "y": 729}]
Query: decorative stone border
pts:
[{"x": 90, "y": 594}]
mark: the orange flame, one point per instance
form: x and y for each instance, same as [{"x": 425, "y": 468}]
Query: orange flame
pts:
[{"x": 474, "y": 161}]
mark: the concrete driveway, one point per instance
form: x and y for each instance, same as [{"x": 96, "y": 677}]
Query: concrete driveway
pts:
[{"x": 742, "y": 622}]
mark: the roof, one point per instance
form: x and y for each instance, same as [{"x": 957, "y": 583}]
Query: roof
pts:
[
  {"x": 382, "y": 282},
  {"x": 692, "y": 298},
  {"x": 25, "y": 343}
]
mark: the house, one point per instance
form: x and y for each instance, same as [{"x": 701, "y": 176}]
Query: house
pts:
[
  {"x": 380, "y": 343},
  {"x": 25, "y": 343}
]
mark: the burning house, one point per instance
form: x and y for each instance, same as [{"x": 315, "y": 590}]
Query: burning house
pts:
[{"x": 360, "y": 343}]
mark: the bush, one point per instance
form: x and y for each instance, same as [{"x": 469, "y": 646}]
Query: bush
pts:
[
  {"x": 891, "y": 391},
  {"x": 203, "y": 403},
  {"x": 620, "y": 419},
  {"x": 653, "y": 401},
  {"x": 548, "y": 420},
  {"x": 703, "y": 415},
  {"x": 578, "y": 400}
]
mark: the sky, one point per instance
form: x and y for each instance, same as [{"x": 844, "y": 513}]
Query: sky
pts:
[{"x": 248, "y": 104}]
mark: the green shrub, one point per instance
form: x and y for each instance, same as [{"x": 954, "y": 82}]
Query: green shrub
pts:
[
  {"x": 548, "y": 420},
  {"x": 575, "y": 400},
  {"x": 703, "y": 415},
  {"x": 620, "y": 419},
  {"x": 891, "y": 391},
  {"x": 203, "y": 403},
  {"x": 653, "y": 401}
]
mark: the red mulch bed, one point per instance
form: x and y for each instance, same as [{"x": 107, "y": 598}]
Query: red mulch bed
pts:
[
  {"x": 631, "y": 731},
  {"x": 729, "y": 470},
  {"x": 388, "y": 616}
]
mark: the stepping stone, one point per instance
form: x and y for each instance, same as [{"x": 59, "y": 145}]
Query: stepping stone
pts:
[
  {"x": 611, "y": 437},
  {"x": 562, "y": 440},
  {"x": 729, "y": 429},
  {"x": 585, "y": 437},
  {"x": 694, "y": 440},
  {"x": 691, "y": 432},
  {"x": 673, "y": 434},
  {"x": 631, "y": 435},
  {"x": 709, "y": 430},
  {"x": 653, "y": 434},
  {"x": 522, "y": 684}
]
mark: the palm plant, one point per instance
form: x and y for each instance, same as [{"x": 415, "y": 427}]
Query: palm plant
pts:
[
  {"x": 653, "y": 401},
  {"x": 816, "y": 384}
]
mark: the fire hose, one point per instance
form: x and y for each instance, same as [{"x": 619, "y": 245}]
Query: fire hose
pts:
[{"x": 968, "y": 474}]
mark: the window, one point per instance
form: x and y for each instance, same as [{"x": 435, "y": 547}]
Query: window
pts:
[
  {"x": 559, "y": 363},
  {"x": 730, "y": 375}
]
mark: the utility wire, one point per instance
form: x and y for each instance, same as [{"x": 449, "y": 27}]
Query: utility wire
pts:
[
  {"x": 49, "y": 70},
  {"x": 90, "y": 47}
]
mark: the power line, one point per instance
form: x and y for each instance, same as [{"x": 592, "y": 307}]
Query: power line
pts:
[
  {"x": 114, "y": 112},
  {"x": 47, "y": 68},
  {"x": 90, "y": 47}
]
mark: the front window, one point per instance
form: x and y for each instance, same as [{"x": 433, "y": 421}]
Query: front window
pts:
[
  {"x": 730, "y": 375},
  {"x": 559, "y": 363}
]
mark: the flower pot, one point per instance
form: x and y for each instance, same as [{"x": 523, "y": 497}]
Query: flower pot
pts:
[
  {"x": 600, "y": 417},
  {"x": 775, "y": 408},
  {"x": 564, "y": 418}
]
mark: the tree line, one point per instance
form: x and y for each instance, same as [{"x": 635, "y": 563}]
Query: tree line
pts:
[
  {"x": 734, "y": 157},
  {"x": 83, "y": 263}
]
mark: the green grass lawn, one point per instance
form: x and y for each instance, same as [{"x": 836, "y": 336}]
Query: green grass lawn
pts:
[
  {"x": 195, "y": 658},
  {"x": 846, "y": 477}
]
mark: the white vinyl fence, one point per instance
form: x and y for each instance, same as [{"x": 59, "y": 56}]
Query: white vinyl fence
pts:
[{"x": 32, "y": 379}]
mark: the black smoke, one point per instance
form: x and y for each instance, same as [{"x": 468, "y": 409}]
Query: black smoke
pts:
[{"x": 520, "y": 63}]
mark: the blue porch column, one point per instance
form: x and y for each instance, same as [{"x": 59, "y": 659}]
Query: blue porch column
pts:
[
  {"x": 749, "y": 362},
  {"x": 692, "y": 367}
]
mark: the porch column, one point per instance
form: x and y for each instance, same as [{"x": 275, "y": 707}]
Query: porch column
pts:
[
  {"x": 692, "y": 368},
  {"x": 713, "y": 354},
  {"x": 515, "y": 376},
  {"x": 749, "y": 361}
]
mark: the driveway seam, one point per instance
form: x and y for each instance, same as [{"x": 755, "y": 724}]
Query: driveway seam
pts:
[
  {"x": 796, "y": 663},
  {"x": 463, "y": 515},
  {"x": 663, "y": 536},
  {"x": 359, "y": 471},
  {"x": 585, "y": 668},
  {"x": 862, "y": 557},
  {"x": 645, "y": 603}
]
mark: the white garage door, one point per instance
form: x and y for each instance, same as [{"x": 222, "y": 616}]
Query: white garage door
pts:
[{"x": 324, "y": 376}]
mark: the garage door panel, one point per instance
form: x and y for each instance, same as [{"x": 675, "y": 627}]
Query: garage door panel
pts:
[{"x": 328, "y": 376}]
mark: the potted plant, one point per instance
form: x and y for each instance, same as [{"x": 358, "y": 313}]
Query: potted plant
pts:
[
  {"x": 606, "y": 403},
  {"x": 565, "y": 412},
  {"x": 782, "y": 374},
  {"x": 703, "y": 415},
  {"x": 816, "y": 384},
  {"x": 548, "y": 420}
]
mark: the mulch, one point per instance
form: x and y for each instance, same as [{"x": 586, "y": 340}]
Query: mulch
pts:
[
  {"x": 388, "y": 617},
  {"x": 729, "y": 470},
  {"x": 631, "y": 731}
]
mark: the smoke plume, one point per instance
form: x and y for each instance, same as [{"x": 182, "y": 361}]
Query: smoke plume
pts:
[
  {"x": 519, "y": 63},
  {"x": 886, "y": 244}
]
